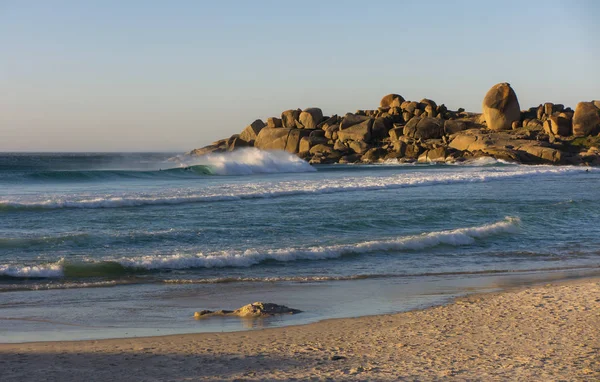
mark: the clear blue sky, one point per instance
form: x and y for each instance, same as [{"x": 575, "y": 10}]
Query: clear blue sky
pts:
[{"x": 174, "y": 75}]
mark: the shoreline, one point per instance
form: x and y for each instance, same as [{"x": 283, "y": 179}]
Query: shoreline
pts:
[
  {"x": 400, "y": 298},
  {"x": 553, "y": 339}
]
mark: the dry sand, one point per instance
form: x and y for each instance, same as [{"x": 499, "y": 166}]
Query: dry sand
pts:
[{"x": 541, "y": 333}]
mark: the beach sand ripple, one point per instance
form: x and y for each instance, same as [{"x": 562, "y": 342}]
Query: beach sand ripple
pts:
[{"x": 541, "y": 333}]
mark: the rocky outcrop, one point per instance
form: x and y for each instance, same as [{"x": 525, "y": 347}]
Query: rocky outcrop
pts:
[
  {"x": 355, "y": 128},
  {"x": 560, "y": 125},
  {"x": 280, "y": 139},
  {"x": 506, "y": 146},
  {"x": 254, "y": 310},
  {"x": 274, "y": 123},
  {"x": 272, "y": 139},
  {"x": 251, "y": 132},
  {"x": 586, "y": 119},
  {"x": 391, "y": 100},
  {"x": 380, "y": 128},
  {"x": 289, "y": 118},
  {"x": 453, "y": 126},
  {"x": 501, "y": 107},
  {"x": 424, "y": 131},
  {"x": 424, "y": 128},
  {"x": 236, "y": 143},
  {"x": 311, "y": 117}
]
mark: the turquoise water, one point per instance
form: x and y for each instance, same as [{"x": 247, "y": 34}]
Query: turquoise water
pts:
[{"x": 100, "y": 245}]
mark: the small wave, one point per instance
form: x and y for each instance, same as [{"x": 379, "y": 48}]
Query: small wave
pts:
[
  {"x": 58, "y": 284},
  {"x": 52, "y": 270},
  {"x": 274, "y": 279},
  {"x": 62, "y": 285},
  {"x": 125, "y": 266},
  {"x": 232, "y": 192},
  {"x": 24, "y": 242},
  {"x": 483, "y": 161}
]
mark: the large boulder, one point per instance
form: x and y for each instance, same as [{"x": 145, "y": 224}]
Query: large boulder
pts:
[
  {"x": 502, "y": 145},
  {"x": 333, "y": 120},
  {"x": 235, "y": 142},
  {"x": 251, "y": 132},
  {"x": 381, "y": 127},
  {"x": 293, "y": 141},
  {"x": 452, "y": 126},
  {"x": 359, "y": 147},
  {"x": 429, "y": 107},
  {"x": 424, "y": 128},
  {"x": 280, "y": 139},
  {"x": 289, "y": 118},
  {"x": 311, "y": 117},
  {"x": 306, "y": 143},
  {"x": 396, "y": 133},
  {"x": 356, "y": 128},
  {"x": 434, "y": 155},
  {"x": 586, "y": 119},
  {"x": 352, "y": 119},
  {"x": 331, "y": 130},
  {"x": 272, "y": 139},
  {"x": 560, "y": 125},
  {"x": 321, "y": 149},
  {"x": 274, "y": 122},
  {"x": 391, "y": 100},
  {"x": 501, "y": 107},
  {"x": 373, "y": 155}
]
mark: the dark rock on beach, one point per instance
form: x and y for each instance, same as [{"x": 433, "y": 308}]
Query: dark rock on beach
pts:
[{"x": 254, "y": 310}]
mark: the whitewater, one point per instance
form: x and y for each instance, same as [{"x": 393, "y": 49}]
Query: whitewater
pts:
[
  {"x": 159, "y": 234},
  {"x": 250, "y": 257}
]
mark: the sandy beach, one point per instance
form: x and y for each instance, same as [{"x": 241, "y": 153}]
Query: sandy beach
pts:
[{"x": 542, "y": 333}]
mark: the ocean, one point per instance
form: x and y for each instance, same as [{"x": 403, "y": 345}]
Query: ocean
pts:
[{"x": 101, "y": 245}]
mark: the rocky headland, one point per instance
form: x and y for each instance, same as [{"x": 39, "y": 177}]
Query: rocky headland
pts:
[{"x": 425, "y": 132}]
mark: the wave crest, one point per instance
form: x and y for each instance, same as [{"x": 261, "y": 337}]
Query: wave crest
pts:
[
  {"x": 249, "y": 161},
  {"x": 265, "y": 190},
  {"x": 251, "y": 257}
]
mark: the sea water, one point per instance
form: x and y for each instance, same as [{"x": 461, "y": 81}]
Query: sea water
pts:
[{"x": 114, "y": 245}]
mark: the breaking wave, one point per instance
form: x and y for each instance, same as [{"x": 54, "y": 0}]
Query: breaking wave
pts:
[
  {"x": 250, "y": 161},
  {"x": 135, "y": 265},
  {"x": 239, "y": 191},
  {"x": 241, "y": 162}
]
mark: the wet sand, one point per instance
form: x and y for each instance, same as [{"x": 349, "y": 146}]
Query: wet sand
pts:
[{"x": 544, "y": 333}]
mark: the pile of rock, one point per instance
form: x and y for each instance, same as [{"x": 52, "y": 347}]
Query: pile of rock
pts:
[{"x": 427, "y": 132}]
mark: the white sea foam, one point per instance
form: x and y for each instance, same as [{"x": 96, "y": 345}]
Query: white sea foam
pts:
[
  {"x": 52, "y": 270},
  {"x": 250, "y": 257},
  {"x": 457, "y": 237},
  {"x": 273, "y": 189},
  {"x": 482, "y": 161},
  {"x": 249, "y": 161}
]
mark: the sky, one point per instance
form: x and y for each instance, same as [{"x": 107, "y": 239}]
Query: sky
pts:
[{"x": 175, "y": 75}]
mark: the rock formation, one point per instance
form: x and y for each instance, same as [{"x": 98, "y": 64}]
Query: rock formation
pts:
[
  {"x": 409, "y": 131},
  {"x": 586, "y": 119},
  {"x": 501, "y": 107},
  {"x": 254, "y": 310}
]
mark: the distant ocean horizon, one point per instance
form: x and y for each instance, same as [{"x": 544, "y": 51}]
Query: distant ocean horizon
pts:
[{"x": 96, "y": 245}]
